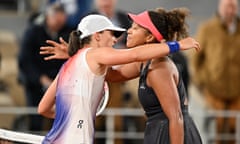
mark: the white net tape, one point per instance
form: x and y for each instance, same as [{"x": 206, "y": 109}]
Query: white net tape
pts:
[{"x": 20, "y": 137}]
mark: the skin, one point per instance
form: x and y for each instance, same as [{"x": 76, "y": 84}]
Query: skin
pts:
[
  {"x": 106, "y": 7},
  {"x": 228, "y": 10},
  {"x": 101, "y": 58},
  {"x": 56, "y": 20}
]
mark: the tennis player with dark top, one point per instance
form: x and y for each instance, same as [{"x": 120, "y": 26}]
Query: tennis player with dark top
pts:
[{"x": 161, "y": 89}]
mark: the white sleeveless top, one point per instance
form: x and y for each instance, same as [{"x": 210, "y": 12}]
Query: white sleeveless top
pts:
[{"x": 78, "y": 94}]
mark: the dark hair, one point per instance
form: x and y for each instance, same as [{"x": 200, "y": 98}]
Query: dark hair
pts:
[
  {"x": 75, "y": 43},
  {"x": 55, "y": 7},
  {"x": 171, "y": 24}
]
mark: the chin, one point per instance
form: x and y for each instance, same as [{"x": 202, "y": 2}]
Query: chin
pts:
[{"x": 129, "y": 45}]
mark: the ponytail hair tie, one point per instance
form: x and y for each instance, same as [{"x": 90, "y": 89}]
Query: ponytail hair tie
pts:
[{"x": 78, "y": 33}]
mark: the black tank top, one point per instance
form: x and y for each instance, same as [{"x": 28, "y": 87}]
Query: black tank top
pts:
[{"x": 148, "y": 98}]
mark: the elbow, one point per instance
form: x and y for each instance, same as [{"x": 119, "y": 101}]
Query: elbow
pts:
[
  {"x": 43, "y": 113},
  {"x": 46, "y": 112},
  {"x": 40, "y": 111}
]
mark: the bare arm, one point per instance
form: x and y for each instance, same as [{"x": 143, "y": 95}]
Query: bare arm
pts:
[
  {"x": 161, "y": 79},
  {"x": 110, "y": 56},
  {"x": 59, "y": 50},
  {"x": 46, "y": 106},
  {"x": 123, "y": 73}
]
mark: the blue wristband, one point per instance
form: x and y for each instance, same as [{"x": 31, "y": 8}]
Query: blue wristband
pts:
[{"x": 173, "y": 46}]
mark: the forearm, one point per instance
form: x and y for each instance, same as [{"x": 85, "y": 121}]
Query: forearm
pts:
[
  {"x": 150, "y": 51},
  {"x": 176, "y": 130},
  {"x": 136, "y": 54},
  {"x": 46, "y": 106},
  {"x": 122, "y": 73},
  {"x": 113, "y": 76}
]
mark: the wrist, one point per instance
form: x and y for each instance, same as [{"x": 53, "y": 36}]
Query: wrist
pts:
[{"x": 174, "y": 46}]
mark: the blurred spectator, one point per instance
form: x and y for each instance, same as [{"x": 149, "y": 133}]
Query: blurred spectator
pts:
[
  {"x": 36, "y": 74},
  {"x": 75, "y": 10},
  {"x": 118, "y": 17},
  {"x": 216, "y": 69}
]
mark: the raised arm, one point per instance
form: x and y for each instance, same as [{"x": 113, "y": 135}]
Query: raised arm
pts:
[
  {"x": 110, "y": 56},
  {"x": 59, "y": 50},
  {"x": 46, "y": 106}
]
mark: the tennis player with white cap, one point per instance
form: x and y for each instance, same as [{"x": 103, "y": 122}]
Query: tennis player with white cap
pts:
[{"x": 73, "y": 97}]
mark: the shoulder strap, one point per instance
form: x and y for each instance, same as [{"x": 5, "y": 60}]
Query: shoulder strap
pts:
[{"x": 145, "y": 69}]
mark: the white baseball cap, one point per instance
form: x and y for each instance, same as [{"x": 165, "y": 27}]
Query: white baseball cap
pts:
[{"x": 96, "y": 23}]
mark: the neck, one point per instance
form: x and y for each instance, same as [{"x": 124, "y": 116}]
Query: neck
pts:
[
  {"x": 92, "y": 44},
  {"x": 86, "y": 46}
]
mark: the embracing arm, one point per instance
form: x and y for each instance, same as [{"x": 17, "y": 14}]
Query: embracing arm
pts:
[
  {"x": 164, "y": 85},
  {"x": 123, "y": 73},
  {"x": 46, "y": 106},
  {"x": 59, "y": 50},
  {"x": 110, "y": 56}
]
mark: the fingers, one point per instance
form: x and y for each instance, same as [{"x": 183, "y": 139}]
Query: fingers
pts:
[
  {"x": 63, "y": 41},
  {"x": 46, "y": 50},
  {"x": 53, "y": 43},
  {"x": 197, "y": 46},
  {"x": 51, "y": 57},
  {"x": 194, "y": 43},
  {"x": 64, "y": 44},
  {"x": 44, "y": 53}
]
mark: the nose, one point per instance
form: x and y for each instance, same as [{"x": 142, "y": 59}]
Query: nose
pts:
[{"x": 129, "y": 31}]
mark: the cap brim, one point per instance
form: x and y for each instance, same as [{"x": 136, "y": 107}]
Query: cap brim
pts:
[
  {"x": 137, "y": 19},
  {"x": 117, "y": 31}
]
